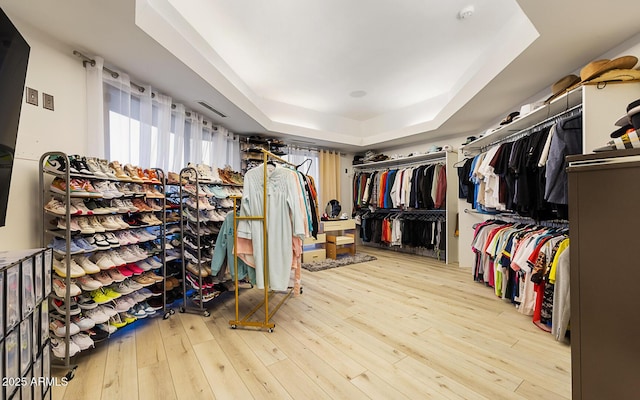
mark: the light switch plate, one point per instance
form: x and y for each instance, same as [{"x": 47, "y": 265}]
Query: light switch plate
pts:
[
  {"x": 47, "y": 101},
  {"x": 32, "y": 96}
]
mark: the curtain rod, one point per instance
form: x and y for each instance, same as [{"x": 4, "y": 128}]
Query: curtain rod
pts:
[{"x": 86, "y": 60}]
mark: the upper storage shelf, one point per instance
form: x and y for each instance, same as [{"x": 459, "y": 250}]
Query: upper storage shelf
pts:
[
  {"x": 557, "y": 106},
  {"x": 397, "y": 162}
]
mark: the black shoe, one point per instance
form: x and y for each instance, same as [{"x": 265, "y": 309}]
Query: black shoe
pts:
[
  {"x": 96, "y": 334},
  {"x": 77, "y": 163},
  {"x": 58, "y": 165}
]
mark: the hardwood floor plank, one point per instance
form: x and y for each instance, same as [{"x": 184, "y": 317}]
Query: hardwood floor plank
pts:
[
  {"x": 376, "y": 388},
  {"x": 153, "y": 350},
  {"x": 156, "y": 382},
  {"x": 533, "y": 391},
  {"x": 120, "y": 371},
  {"x": 298, "y": 384},
  {"x": 89, "y": 375},
  {"x": 259, "y": 380},
  {"x": 186, "y": 371},
  {"x": 195, "y": 327},
  {"x": 223, "y": 378}
]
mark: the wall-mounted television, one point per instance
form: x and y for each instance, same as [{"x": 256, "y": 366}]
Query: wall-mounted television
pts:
[{"x": 14, "y": 57}]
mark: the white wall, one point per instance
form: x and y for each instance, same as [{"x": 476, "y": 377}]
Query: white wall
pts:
[{"x": 52, "y": 70}]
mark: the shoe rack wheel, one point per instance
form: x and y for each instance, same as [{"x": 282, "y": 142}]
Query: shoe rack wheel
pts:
[
  {"x": 206, "y": 313},
  {"x": 301, "y": 290},
  {"x": 270, "y": 330},
  {"x": 167, "y": 315},
  {"x": 71, "y": 374},
  {"x": 172, "y": 311},
  {"x": 182, "y": 309},
  {"x": 234, "y": 326}
]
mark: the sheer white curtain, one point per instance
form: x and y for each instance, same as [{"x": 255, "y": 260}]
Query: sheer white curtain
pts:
[
  {"x": 312, "y": 167},
  {"x": 144, "y": 128},
  {"x": 95, "y": 110}
]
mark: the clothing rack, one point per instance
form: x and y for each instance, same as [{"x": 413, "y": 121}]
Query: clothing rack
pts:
[
  {"x": 267, "y": 155},
  {"x": 551, "y": 223},
  {"x": 423, "y": 215},
  {"x": 571, "y": 112}
]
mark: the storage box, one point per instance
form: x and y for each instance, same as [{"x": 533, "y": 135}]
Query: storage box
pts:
[
  {"x": 38, "y": 266},
  {"x": 48, "y": 267},
  {"x": 28, "y": 293},
  {"x": 322, "y": 237},
  {"x": 27, "y": 388},
  {"x": 44, "y": 322},
  {"x": 13, "y": 296},
  {"x": 12, "y": 363},
  {"x": 309, "y": 256},
  {"x": 37, "y": 373},
  {"x": 25, "y": 345}
]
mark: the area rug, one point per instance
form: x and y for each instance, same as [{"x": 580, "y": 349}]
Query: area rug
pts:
[{"x": 340, "y": 262}]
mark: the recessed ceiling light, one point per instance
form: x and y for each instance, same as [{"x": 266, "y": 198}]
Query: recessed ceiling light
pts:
[
  {"x": 358, "y": 93},
  {"x": 466, "y": 12}
]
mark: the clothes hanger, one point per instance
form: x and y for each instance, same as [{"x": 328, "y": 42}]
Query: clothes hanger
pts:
[{"x": 308, "y": 167}]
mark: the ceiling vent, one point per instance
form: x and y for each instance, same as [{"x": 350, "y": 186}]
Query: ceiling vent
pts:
[{"x": 208, "y": 107}]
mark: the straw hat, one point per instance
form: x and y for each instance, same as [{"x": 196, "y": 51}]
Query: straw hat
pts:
[
  {"x": 618, "y": 75},
  {"x": 599, "y": 67},
  {"x": 561, "y": 86}
]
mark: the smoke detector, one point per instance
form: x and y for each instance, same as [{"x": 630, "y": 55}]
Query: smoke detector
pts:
[{"x": 466, "y": 12}]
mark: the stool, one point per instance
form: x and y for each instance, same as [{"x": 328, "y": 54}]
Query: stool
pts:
[{"x": 341, "y": 244}]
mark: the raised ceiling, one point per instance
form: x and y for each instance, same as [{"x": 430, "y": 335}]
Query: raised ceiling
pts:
[
  {"x": 356, "y": 72},
  {"x": 287, "y": 67}
]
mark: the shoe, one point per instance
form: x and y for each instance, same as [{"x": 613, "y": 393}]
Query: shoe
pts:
[
  {"x": 124, "y": 270},
  {"x": 97, "y": 315},
  {"x": 147, "y": 308},
  {"x": 137, "y": 297},
  {"x": 115, "y": 275},
  {"x": 99, "y": 296},
  {"x": 138, "y": 311},
  {"x": 60, "y": 246},
  {"x": 99, "y": 241},
  {"x": 108, "y": 223},
  {"x": 88, "y": 283},
  {"x": 153, "y": 205},
  {"x": 85, "y": 302},
  {"x": 133, "y": 285},
  {"x": 144, "y": 265},
  {"x": 62, "y": 308},
  {"x": 82, "y": 340},
  {"x": 109, "y": 310},
  {"x": 156, "y": 303},
  {"x": 84, "y": 225},
  {"x": 106, "y": 169},
  {"x": 55, "y": 206},
  {"x": 131, "y": 171},
  {"x": 97, "y": 207},
  {"x": 121, "y": 305},
  {"x": 102, "y": 260},
  {"x": 59, "y": 348},
  {"x": 143, "y": 280},
  {"x": 95, "y": 224},
  {"x": 135, "y": 270},
  {"x": 58, "y": 165},
  {"x": 153, "y": 176},
  {"x": 86, "y": 264},
  {"x": 120, "y": 221},
  {"x": 128, "y": 318},
  {"x": 94, "y": 167},
  {"x": 156, "y": 290},
  {"x": 97, "y": 335},
  {"x": 174, "y": 179},
  {"x": 121, "y": 288},
  {"x": 119, "y": 173},
  {"x": 112, "y": 239},
  {"x": 86, "y": 245},
  {"x": 59, "y": 186},
  {"x": 88, "y": 187},
  {"x": 80, "y": 165},
  {"x": 75, "y": 271},
  {"x": 83, "y": 322},
  {"x": 60, "y": 288},
  {"x": 109, "y": 292},
  {"x": 115, "y": 257},
  {"x": 197, "y": 270},
  {"x": 154, "y": 277},
  {"x": 81, "y": 208},
  {"x": 106, "y": 190}
]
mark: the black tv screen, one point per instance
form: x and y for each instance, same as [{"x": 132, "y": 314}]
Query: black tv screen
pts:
[{"x": 14, "y": 57}]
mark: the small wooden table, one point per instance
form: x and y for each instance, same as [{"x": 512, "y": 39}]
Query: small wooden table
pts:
[{"x": 341, "y": 237}]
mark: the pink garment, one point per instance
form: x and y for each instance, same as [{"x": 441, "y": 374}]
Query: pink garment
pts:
[
  {"x": 296, "y": 265},
  {"x": 245, "y": 251}
]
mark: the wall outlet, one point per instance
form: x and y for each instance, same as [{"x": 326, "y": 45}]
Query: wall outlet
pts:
[
  {"x": 32, "y": 96},
  {"x": 47, "y": 101}
]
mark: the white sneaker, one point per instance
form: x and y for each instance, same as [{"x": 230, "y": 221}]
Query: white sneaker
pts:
[
  {"x": 81, "y": 207},
  {"x": 144, "y": 265},
  {"x": 127, "y": 255},
  {"x": 108, "y": 309},
  {"x": 83, "y": 322},
  {"x": 82, "y": 340},
  {"x": 108, "y": 223},
  {"x": 103, "y": 187},
  {"x": 55, "y": 206},
  {"x": 60, "y": 288},
  {"x": 118, "y": 220},
  {"x": 84, "y": 225},
  {"x": 115, "y": 257},
  {"x": 59, "y": 348},
  {"x": 95, "y": 224},
  {"x": 112, "y": 239},
  {"x": 121, "y": 305},
  {"x": 103, "y": 260},
  {"x": 107, "y": 327},
  {"x": 115, "y": 190},
  {"x": 88, "y": 283},
  {"x": 87, "y": 265},
  {"x": 129, "y": 203},
  {"x": 59, "y": 328},
  {"x": 97, "y": 315},
  {"x": 120, "y": 205}
]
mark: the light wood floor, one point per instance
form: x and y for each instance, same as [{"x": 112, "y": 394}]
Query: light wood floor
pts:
[{"x": 400, "y": 327}]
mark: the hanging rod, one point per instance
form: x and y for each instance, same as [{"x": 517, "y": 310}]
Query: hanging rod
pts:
[
  {"x": 540, "y": 125},
  {"x": 399, "y": 165}
]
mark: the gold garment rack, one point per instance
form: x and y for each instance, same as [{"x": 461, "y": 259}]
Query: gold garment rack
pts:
[{"x": 266, "y": 155}]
